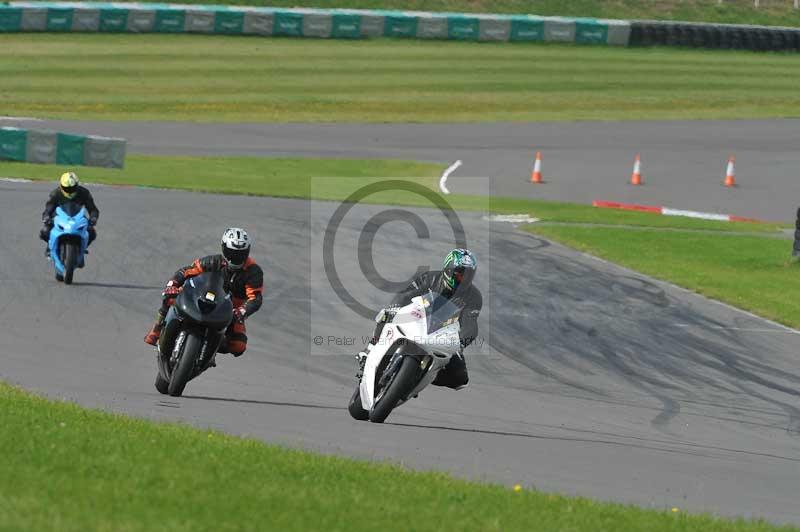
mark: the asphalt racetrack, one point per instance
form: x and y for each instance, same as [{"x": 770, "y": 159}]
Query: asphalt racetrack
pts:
[
  {"x": 588, "y": 379},
  {"x": 683, "y": 162}
]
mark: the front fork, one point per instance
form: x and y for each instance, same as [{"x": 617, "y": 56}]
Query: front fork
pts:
[{"x": 170, "y": 345}]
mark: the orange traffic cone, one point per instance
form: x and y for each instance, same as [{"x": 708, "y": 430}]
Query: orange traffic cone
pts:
[
  {"x": 636, "y": 176},
  {"x": 536, "y": 175},
  {"x": 730, "y": 173}
]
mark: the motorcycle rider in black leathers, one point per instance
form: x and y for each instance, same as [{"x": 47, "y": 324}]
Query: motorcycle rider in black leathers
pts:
[
  {"x": 453, "y": 281},
  {"x": 69, "y": 190},
  {"x": 244, "y": 281}
]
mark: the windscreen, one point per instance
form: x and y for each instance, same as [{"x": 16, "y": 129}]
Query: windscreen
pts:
[
  {"x": 439, "y": 311},
  {"x": 205, "y": 282},
  {"x": 71, "y": 208}
]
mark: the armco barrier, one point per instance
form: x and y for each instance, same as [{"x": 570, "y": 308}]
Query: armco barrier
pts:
[
  {"x": 51, "y": 147},
  {"x": 361, "y": 24},
  {"x": 315, "y": 23}
]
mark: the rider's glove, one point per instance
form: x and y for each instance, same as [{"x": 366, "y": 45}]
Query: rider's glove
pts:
[
  {"x": 239, "y": 314},
  {"x": 171, "y": 290},
  {"x": 92, "y": 221},
  {"x": 385, "y": 315}
]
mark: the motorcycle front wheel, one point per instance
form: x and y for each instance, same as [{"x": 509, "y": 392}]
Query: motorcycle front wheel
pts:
[
  {"x": 69, "y": 256},
  {"x": 184, "y": 369},
  {"x": 354, "y": 407},
  {"x": 400, "y": 386},
  {"x": 162, "y": 385}
]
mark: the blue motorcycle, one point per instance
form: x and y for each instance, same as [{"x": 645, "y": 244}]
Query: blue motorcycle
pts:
[{"x": 69, "y": 239}]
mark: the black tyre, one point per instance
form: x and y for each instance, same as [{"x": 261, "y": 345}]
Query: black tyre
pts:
[
  {"x": 162, "y": 385},
  {"x": 356, "y": 410},
  {"x": 404, "y": 381},
  {"x": 184, "y": 371},
  {"x": 70, "y": 258}
]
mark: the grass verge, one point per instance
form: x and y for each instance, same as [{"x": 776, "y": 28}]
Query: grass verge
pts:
[
  {"x": 247, "y": 79},
  {"x": 294, "y": 178},
  {"x": 729, "y": 11},
  {"x": 77, "y": 469},
  {"x": 749, "y": 272}
]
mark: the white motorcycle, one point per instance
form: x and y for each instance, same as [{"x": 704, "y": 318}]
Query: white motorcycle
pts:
[{"x": 412, "y": 349}]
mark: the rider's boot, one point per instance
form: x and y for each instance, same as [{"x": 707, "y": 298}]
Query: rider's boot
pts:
[
  {"x": 155, "y": 333},
  {"x": 361, "y": 358},
  {"x": 223, "y": 346}
]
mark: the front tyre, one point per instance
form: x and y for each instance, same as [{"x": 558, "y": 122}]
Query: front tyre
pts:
[
  {"x": 404, "y": 381},
  {"x": 184, "y": 370},
  {"x": 354, "y": 407},
  {"x": 69, "y": 257},
  {"x": 162, "y": 385}
]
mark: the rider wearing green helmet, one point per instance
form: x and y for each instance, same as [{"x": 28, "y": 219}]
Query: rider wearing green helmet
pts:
[{"x": 453, "y": 281}]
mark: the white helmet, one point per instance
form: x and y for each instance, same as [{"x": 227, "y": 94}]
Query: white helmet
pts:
[{"x": 235, "y": 247}]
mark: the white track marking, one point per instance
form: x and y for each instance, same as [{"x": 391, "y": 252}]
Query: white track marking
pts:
[
  {"x": 21, "y": 118},
  {"x": 666, "y": 211},
  {"x": 511, "y": 218},
  {"x": 14, "y": 180},
  {"x": 443, "y": 181},
  {"x": 743, "y": 329}
]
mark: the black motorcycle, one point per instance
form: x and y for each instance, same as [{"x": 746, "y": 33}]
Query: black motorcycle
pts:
[{"x": 193, "y": 331}]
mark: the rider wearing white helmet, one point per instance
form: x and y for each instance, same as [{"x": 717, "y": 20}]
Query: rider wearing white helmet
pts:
[{"x": 244, "y": 280}]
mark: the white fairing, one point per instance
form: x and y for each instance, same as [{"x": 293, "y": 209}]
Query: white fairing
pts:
[{"x": 411, "y": 323}]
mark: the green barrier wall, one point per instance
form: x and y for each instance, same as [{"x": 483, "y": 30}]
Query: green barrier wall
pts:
[
  {"x": 527, "y": 30},
  {"x": 10, "y": 19},
  {"x": 13, "y": 143},
  {"x": 69, "y": 149},
  {"x": 288, "y": 24},
  {"x": 169, "y": 21},
  {"x": 358, "y": 24},
  {"x": 590, "y": 32},
  {"x": 50, "y": 147},
  {"x": 59, "y": 19},
  {"x": 346, "y": 27},
  {"x": 315, "y": 23},
  {"x": 29, "y": 16},
  {"x": 400, "y": 26},
  {"x": 463, "y": 28},
  {"x": 231, "y": 23},
  {"x": 113, "y": 20}
]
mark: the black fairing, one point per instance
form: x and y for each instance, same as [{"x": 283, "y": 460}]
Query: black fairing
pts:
[{"x": 194, "y": 305}]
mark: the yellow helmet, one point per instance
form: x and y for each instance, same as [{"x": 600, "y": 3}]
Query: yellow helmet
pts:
[{"x": 69, "y": 184}]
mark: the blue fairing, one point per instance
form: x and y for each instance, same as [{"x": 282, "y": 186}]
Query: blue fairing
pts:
[{"x": 66, "y": 226}]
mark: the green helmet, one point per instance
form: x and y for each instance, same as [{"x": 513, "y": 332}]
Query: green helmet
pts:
[{"x": 458, "y": 269}]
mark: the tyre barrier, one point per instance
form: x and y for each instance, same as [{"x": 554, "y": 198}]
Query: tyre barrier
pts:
[
  {"x": 796, "y": 244},
  {"x": 722, "y": 36},
  {"x": 52, "y": 147}
]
